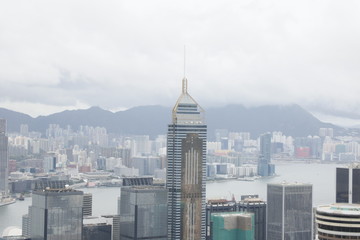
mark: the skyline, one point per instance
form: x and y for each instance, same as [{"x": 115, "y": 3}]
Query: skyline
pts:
[{"x": 66, "y": 55}]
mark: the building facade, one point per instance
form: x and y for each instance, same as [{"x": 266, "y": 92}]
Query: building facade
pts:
[
  {"x": 338, "y": 221},
  {"x": 289, "y": 211},
  {"x": 186, "y": 172},
  {"x": 3, "y": 159},
  {"x": 265, "y": 168},
  {"x": 143, "y": 213},
  {"x": 56, "y": 214},
  {"x": 258, "y": 208},
  {"x": 217, "y": 206},
  {"x": 348, "y": 184},
  {"x": 232, "y": 226}
]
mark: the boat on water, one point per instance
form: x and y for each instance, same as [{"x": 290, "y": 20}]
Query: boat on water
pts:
[{"x": 21, "y": 197}]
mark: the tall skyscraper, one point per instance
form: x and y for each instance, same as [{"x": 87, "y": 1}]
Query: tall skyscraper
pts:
[
  {"x": 3, "y": 159},
  {"x": 56, "y": 214},
  {"x": 289, "y": 211},
  {"x": 348, "y": 184},
  {"x": 265, "y": 168},
  {"x": 185, "y": 181}
]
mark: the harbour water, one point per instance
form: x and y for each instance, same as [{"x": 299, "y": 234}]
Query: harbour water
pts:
[{"x": 322, "y": 176}]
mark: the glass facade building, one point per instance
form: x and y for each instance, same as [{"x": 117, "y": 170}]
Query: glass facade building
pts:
[
  {"x": 232, "y": 226},
  {"x": 348, "y": 184},
  {"x": 143, "y": 213},
  {"x": 265, "y": 168},
  {"x": 97, "y": 232},
  {"x": 258, "y": 207},
  {"x": 289, "y": 211},
  {"x": 3, "y": 159},
  {"x": 186, "y": 169},
  {"x": 56, "y": 214}
]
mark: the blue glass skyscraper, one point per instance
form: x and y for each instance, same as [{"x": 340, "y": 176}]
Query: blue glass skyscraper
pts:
[{"x": 186, "y": 169}]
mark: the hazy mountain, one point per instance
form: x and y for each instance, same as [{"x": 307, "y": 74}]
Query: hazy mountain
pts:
[
  {"x": 152, "y": 120},
  {"x": 14, "y": 119},
  {"x": 292, "y": 120}
]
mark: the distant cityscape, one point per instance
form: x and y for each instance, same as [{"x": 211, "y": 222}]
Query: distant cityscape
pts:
[{"x": 162, "y": 182}]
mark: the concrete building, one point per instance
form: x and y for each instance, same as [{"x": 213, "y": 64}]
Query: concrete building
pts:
[
  {"x": 143, "y": 213},
  {"x": 348, "y": 184},
  {"x": 338, "y": 221},
  {"x": 56, "y": 214},
  {"x": 186, "y": 172},
  {"x": 289, "y": 211}
]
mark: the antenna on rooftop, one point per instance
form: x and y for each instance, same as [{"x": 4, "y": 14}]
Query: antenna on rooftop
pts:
[
  {"x": 184, "y": 61},
  {"x": 184, "y": 81}
]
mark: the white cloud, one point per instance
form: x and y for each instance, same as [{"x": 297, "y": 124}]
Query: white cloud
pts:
[{"x": 119, "y": 54}]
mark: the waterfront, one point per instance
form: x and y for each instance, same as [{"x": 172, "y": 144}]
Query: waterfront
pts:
[{"x": 322, "y": 176}]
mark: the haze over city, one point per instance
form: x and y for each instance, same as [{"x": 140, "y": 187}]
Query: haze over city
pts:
[{"x": 68, "y": 55}]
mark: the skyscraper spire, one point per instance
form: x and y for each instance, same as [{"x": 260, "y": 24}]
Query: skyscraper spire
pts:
[
  {"x": 184, "y": 81},
  {"x": 184, "y": 85},
  {"x": 184, "y": 61}
]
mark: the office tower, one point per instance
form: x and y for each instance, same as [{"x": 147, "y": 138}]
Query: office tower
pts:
[
  {"x": 217, "y": 206},
  {"x": 186, "y": 172},
  {"x": 265, "y": 168},
  {"x": 115, "y": 224},
  {"x": 97, "y": 228},
  {"x": 3, "y": 159},
  {"x": 338, "y": 221},
  {"x": 87, "y": 204},
  {"x": 25, "y": 225},
  {"x": 232, "y": 226},
  {"x": 49, "y": 163},
  {"x": 289, "y": 211},
  {"x": 143, "y": 213},
  {"x": 96, "y": 231},
  {"x": 348, "y": 184},
  {"x": 56, "y": 214},
  {"x": 258, "y": 207}
]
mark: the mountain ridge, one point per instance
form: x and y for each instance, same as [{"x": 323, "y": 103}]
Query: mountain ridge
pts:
[{"x": 152, "y": 120}]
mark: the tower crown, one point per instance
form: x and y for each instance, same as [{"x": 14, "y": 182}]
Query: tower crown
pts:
[{"x": 187, "y": 110}]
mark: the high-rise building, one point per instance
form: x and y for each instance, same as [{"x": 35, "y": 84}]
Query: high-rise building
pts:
[
  {"x": 3, "y": 159},
  {"x": 217, "y": 206},
  {"x": 56, "y": 214},
  {"x": 97, "y": 228},
  {"x": 348, "y": 184},
  {"x": 258, "y": 207},
  {"x": 289, "y": 211},
  {"x": 87, "y": 204},
  {"x": 143, "y": 213},
  {"x": 186, "y": 172},
  {"x": 338, "y": 221},
  {"x": 265, "y": 168},
  {"x": 232, "y": 226}
]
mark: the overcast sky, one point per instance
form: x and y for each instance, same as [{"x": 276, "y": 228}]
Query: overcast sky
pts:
[{"x": 57, "y": 55}]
